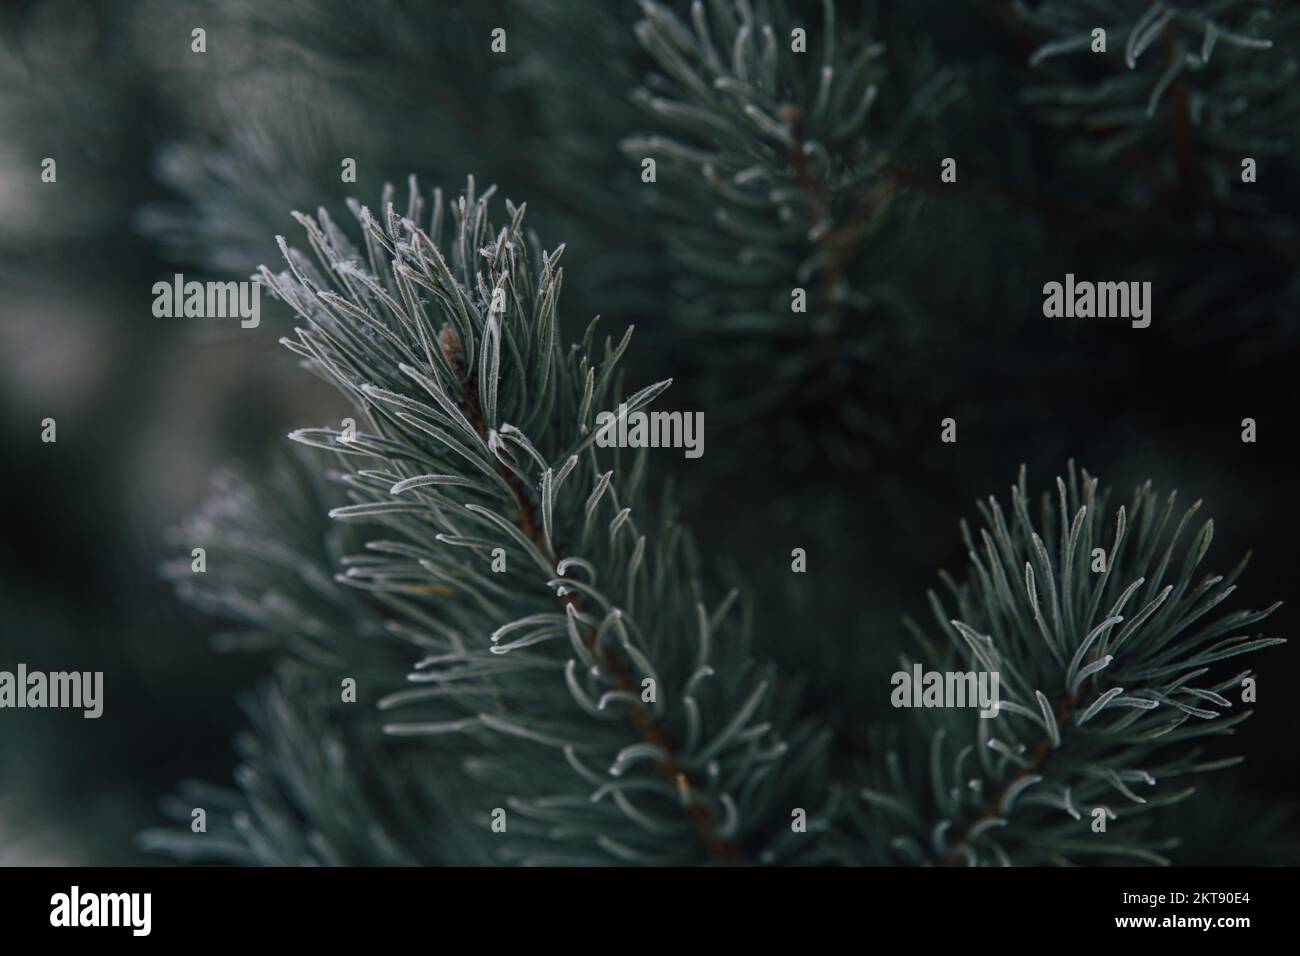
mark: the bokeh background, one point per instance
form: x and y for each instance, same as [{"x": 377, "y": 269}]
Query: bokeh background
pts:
[{"x": 169, "y": 161}]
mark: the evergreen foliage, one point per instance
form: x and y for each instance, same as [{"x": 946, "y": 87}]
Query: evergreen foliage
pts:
[
  {"x": 455, "y": 612},
  {"x": 773, "y": 199},
  {"x": 574, "y": 679},
  {"x": 1190, "y": 73},
  {"x": 1106, "y": 660},
  {"x": 586, "y": 685}
]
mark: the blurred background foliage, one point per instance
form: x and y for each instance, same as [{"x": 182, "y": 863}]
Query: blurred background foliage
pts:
[{"x": 171, "y": 161}]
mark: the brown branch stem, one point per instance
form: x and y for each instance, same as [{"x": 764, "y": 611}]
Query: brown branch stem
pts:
[{"x": 1036, "y": 760}]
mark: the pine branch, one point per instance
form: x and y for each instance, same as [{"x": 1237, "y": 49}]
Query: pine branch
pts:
[
  {"x": 317, "y": 786},
  {"x": 318, "y": 782},
  {"x": 1034, "y": 610},
  {"x": 533, "y": 677},
  {"x": 1192, "y": 71},
  {"x": 270, "y": 557},
  {"x": 762, "y": 167}
]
